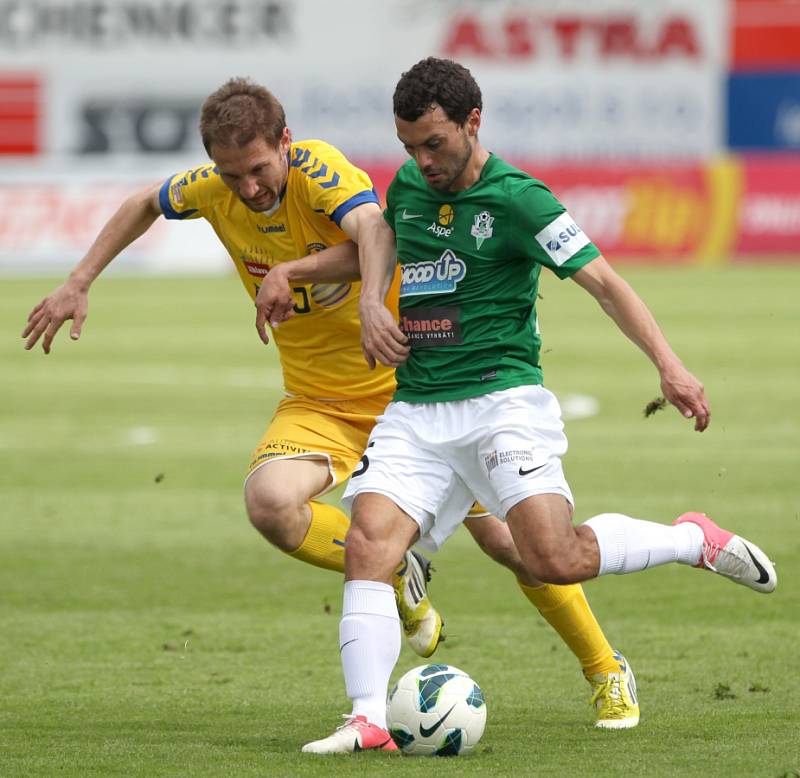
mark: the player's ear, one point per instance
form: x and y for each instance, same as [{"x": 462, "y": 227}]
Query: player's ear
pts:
[
  {"x": 473, "y": 122},
  {"x": 286, "y": 140}
]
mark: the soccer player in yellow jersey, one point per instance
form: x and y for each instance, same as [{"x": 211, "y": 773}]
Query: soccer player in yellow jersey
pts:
[{"x": 272, "y": 200}]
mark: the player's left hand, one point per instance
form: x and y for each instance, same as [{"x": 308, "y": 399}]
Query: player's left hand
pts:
[
  {"x": 686, "y": 393},
  {"x": 381, "y": 339},
  {"x": 274, "y": 302}
]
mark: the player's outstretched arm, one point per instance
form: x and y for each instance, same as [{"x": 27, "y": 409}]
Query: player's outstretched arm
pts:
[
  {"x": 381, "y": 338},
  {"x": 634, "y": 318},
  {"x": 275, "y": 299},
  {"x": 71, "y": 299}
]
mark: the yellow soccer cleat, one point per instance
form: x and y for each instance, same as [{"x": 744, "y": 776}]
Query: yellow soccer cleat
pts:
[
  {"x": 614, "y": 697},
  {"x": 422, "y": 624}
]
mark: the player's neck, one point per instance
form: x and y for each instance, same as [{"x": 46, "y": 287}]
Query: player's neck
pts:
[{"x": 472, "y": 172}]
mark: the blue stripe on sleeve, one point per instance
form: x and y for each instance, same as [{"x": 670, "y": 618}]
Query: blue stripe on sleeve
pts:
[
  {"x": 166, "y": 206},
  {"x": 367, "y": 196}
]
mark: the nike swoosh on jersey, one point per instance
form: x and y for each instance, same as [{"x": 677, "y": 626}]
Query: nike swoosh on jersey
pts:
[
  {"x": 532, "y": 470},
  {"x": 427, "y": 731},
  {"x": 406, "y": 215}
]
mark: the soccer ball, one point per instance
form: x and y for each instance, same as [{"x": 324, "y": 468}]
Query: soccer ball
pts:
[{"x": 436, "y": 710}]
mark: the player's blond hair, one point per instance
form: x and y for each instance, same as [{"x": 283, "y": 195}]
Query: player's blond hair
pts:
[{"x": 238, "y": 113}]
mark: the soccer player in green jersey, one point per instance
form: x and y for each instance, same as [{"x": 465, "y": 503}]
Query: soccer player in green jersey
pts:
[{"x": 470, "y": 417}]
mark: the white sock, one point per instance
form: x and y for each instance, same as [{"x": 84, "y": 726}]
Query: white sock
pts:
[
  {"x": 628, "y": 545},
  {"x": 369, "y": 643}
]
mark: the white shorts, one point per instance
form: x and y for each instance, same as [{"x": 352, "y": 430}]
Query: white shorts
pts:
[{"x": 434, "y": 459}]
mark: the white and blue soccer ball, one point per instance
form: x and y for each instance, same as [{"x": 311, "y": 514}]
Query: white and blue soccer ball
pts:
[{"x": 436, "y": 710}]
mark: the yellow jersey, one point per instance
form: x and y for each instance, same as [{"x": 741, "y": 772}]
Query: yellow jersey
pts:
[{"x": 320, "y": 346}]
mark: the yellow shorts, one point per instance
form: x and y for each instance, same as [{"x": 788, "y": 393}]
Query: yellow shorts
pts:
[{"x": 336, "y": 431}]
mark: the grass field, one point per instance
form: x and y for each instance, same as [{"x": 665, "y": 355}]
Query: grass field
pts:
[{"x": 146, "y": 630}]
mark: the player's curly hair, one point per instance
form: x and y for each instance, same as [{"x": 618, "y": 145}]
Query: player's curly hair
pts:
[
  {"x": 238, "y": 113},
  {"x": 439, "y": 81}
]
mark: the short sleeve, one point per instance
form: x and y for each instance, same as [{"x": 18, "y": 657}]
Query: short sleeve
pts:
[
  {"x": 548, "y": 232},
  {"x": 334, "y": 185},
  {"x": 184, "y": 195}
]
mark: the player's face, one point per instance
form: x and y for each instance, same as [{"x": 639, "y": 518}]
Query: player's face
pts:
[
  {"x": 441, "y": 148},
  {"x": 256, "y": 172}
]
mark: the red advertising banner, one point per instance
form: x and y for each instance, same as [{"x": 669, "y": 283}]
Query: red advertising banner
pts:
[
  {"x": 738, "y": 208},
  {"x": 768, "y": 217},
  {"x": 765, "y": 35},
  {"x": 657, "y": 213},
  {"x": 20, "y": 108},
  {"x": 729, "y": 209},
  {"x": 663, "y": 213}
]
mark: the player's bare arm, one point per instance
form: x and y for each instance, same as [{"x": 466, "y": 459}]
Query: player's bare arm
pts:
[
  {"x": 275, "y": 299},
  {"x": 71, "y": 300},
  {"x": 633, "y": 317},
  {"x": 382, "y": 340}
]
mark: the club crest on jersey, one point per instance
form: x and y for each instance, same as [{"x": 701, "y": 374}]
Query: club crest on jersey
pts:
[
  {"x": 437, "y": 277},
  {"x": 482, "y": 228},
  {"x": 440, "y": 228}
]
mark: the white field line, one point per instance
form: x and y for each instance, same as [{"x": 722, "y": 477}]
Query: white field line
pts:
[{"x": 578, "y": 406}]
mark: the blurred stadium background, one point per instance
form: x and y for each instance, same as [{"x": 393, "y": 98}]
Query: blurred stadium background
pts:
[{"x": 670, "y": 128}]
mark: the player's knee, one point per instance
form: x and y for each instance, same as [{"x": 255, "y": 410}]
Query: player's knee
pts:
[
  {"x": 359, "y": 546},
  {"x": 371, "y": 555},
  {"x": 274, "y": 513},
  {"x": 552, "y": 569}
]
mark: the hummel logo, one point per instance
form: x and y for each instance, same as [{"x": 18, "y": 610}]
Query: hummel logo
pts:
[
  {"x": 532, "y": 470},
  {"x": 763, "y": 574},
  {"x": 406, "y": 215},
  {"x": 427, "y": 731}
]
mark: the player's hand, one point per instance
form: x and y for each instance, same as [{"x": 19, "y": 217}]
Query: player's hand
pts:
[
  {"x": 69, "y": 301},
  {"x": 274, "y": 302},
  {"x": 686, "y": 393},
  {"x": 381, "y": 339}
]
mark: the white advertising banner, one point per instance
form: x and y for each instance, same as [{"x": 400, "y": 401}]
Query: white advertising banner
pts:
[
  {"x": 100, "y": 80},
  {"x": 48, "y": 219},
  {"x": 561, "y": 79}
]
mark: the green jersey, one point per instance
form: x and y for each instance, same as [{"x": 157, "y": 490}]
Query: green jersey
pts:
[{"x": 470, "y": 264}]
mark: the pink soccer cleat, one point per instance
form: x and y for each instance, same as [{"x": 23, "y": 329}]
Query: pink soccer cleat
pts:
[
  {"x": 356, "y": 734},
  {"x": 734, "y": 557}
]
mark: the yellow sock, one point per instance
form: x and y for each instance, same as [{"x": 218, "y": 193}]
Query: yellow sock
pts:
[
  {"x": 567, "y": 611},
  {"x": 323, "y": 545}
]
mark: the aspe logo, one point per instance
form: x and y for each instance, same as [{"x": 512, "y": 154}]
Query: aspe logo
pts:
[
  {"x": 446, "y": 216},
  {"x": 437, "y": 277}
]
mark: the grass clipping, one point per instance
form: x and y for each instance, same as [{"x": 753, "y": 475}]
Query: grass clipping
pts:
[{"x": 654, "y": 406}]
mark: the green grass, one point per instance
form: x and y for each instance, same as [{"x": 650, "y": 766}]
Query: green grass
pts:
[{"x": 146, "y": 630}]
